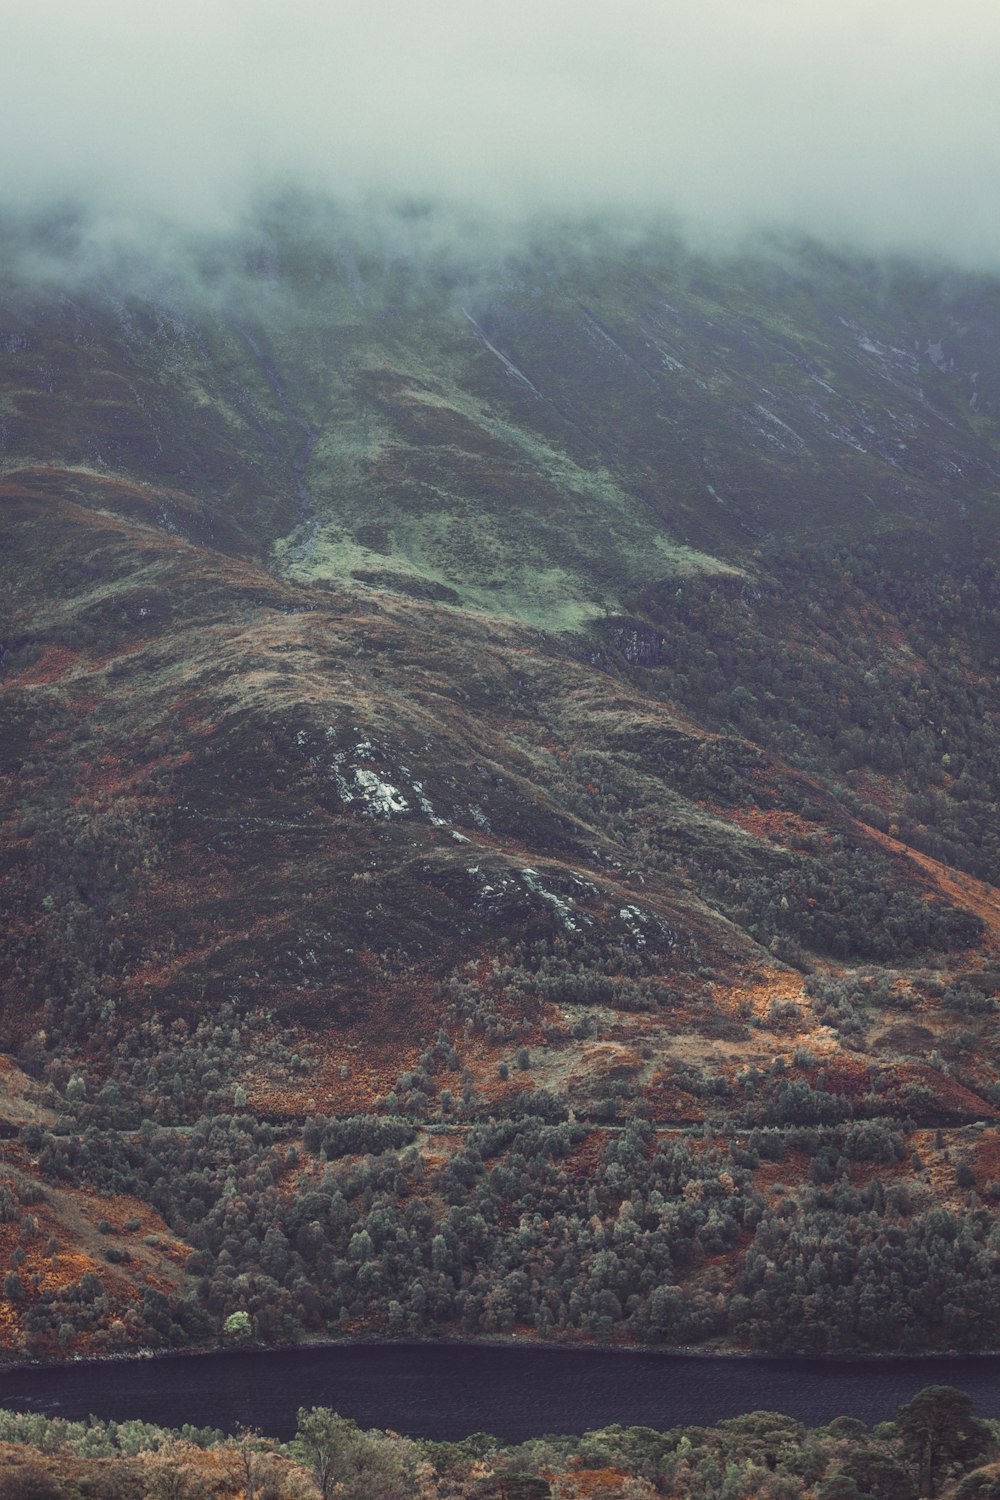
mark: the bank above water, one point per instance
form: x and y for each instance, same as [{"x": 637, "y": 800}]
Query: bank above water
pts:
[{"x": 447, "y": 1391}]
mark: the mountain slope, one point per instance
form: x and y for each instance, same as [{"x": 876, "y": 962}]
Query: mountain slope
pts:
[{"x": 559, "y": 693}]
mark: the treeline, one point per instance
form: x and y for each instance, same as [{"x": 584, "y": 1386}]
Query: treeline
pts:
[{"x": 156, "y": 1069}]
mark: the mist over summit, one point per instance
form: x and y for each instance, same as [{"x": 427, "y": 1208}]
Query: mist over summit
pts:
[{"x": 858, "y": 123}]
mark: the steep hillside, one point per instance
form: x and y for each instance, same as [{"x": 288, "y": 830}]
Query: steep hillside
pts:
[{"x": 500, "y": 790}]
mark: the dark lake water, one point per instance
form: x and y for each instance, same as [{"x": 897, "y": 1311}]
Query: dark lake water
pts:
[{"x": 451, "y": 1390}]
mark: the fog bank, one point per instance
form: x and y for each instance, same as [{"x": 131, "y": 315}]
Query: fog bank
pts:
[{"x": 863, "y": 121}]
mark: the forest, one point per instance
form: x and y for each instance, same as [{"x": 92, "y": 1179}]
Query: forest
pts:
[{"x": 529, "y": 1222}]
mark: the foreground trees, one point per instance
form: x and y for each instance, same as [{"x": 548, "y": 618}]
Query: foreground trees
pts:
[
  {"x": 343, "y": 1460},
  {"x": 935, "y": 1441},
  {"x": 940, "y": 1434}
]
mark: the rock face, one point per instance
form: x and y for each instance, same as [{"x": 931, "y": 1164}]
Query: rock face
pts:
[{"x": 439, "y": 691}]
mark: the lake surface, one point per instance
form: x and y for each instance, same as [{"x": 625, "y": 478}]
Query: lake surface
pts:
[{"x": 448, "y": 1391}]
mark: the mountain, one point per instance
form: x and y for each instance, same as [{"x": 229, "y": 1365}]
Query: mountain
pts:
[{"x": 500, "y": 788}]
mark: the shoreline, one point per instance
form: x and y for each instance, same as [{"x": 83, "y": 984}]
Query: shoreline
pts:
[{"x": 508, "y": 1341}]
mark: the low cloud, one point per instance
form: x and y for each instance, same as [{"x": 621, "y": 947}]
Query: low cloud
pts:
[{"x": 861, "y": 121}]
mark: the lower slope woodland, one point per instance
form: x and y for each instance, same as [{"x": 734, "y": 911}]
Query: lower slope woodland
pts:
[{"x": 500, "y": 793}]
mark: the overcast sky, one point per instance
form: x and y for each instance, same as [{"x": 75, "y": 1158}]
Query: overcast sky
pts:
[{"x": 871, "y": 120}]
